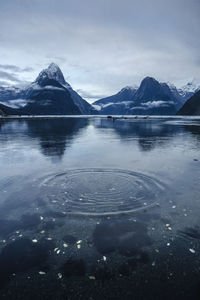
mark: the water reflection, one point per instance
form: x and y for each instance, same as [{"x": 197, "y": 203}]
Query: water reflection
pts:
[
  {"x": 150, "y": 253},
  {"x": 54, "y": 135},
  {"x": 149, "y": 133}
]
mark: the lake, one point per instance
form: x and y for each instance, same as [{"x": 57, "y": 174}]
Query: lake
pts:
[{"x": 96, "y": 208}]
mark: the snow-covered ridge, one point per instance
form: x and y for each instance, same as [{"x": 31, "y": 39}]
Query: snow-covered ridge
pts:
[
  {"x": 192, "y": 86},
  {"x": 128, "y": 87},
  {"x": 52, "y": 72}
]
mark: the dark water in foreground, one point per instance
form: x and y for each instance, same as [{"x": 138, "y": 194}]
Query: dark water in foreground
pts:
[{"x": 96, "y": 209}]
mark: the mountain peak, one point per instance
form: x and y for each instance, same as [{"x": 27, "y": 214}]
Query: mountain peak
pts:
[
  {"x": 149, "y": 79},
  {"x": 149, "y": 83},
  {"x": 52, "y": 72},
  {"x": 53, "y": 67}
]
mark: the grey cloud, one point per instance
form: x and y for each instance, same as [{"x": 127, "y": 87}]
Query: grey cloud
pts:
[
  {"x": 8, "y": 76},
  {"x": 15, "y": 68},
  {"x": 90, "y": 96},
  {"x": 103, "y": 45},
  {"x": 3, "y": 83}
]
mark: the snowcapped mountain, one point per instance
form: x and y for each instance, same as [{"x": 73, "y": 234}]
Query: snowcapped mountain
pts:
[
  {"x": 18, "y": 98},
  {"x": 189, "y": 89},
  {"x": 151, "y": 97},
  {"x": 192, "y": 86},
  {"x": 52, "y": 72},
  {"x": 50, "y": 90},
  {"x": 118, "y": 103},
  {"x": 49, "y": 97}
]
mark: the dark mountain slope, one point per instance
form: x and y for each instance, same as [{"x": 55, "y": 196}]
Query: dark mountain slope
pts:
[{"x": 191, "y": 106}]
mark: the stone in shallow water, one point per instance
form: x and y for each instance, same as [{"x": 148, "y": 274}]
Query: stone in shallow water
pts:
[
  {"x": 70, "y": 239},
  {"x": 74, "y": 267},
  {"x": 105, "y": 237},
  {"x": 125, "y": 236}
]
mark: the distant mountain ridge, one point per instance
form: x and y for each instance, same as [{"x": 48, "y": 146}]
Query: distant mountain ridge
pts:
[
  {"x": 147, "y": 99},
  {"x": 51, "y": 94},
  {"x": 118, "y": 103},
  {"x": 152, "y": 97}
]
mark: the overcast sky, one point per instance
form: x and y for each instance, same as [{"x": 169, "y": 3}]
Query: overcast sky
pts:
[{"x": 100, "y": 45}]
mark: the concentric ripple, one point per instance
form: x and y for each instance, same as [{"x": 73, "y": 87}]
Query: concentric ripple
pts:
[{"x": 100, "y": 191}]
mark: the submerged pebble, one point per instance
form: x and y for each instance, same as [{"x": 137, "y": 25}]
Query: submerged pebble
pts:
[{"x": 192, "y": 250}]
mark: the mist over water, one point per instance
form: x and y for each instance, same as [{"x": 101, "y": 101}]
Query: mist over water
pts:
[{"x": 91, "y": 207}]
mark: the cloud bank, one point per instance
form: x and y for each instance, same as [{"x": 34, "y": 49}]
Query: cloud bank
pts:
[{"x": 101, "y": 46}]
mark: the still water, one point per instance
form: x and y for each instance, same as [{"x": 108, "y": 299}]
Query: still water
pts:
[{"x": 92, "y": 208}]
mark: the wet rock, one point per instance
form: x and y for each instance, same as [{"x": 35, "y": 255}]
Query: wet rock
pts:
[{"x": 74, "y": 267}]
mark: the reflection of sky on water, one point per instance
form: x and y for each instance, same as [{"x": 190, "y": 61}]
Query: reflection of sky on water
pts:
[{"x": 37, "y": 159}]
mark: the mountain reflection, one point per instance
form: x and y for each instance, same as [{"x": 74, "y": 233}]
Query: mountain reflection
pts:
[
  {"x": 54, "y": 135},
  {"x": 148, "y": 133}
]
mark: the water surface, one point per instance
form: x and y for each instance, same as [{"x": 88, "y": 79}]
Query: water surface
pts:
[{"x": 92, "y": 208}]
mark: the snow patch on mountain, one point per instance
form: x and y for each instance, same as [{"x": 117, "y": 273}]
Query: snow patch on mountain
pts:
[
  {"x": 52, "y": 72},
  {"x": 191, "y": 87}
]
